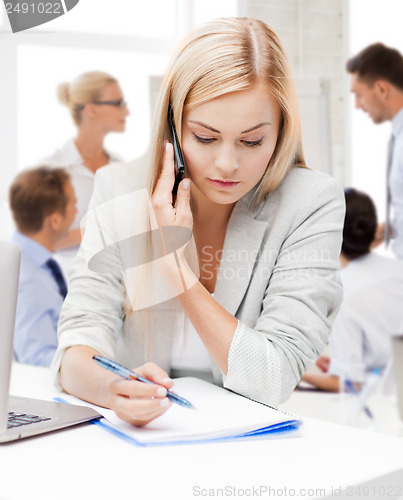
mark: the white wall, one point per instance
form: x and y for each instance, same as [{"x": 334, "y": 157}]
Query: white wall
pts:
[{"x": 314, "y": 36}]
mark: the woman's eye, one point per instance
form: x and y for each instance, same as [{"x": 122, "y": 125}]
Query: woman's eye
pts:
[
  {"x": 252, "y": 144},
  {"x": 203, "y": 140}
]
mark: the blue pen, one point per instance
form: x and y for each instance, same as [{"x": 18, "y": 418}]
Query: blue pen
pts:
[
  {"x": 129, "y": 375},
  {"x": 353, "y": 390},
  {"x": 369, "y": 386}
]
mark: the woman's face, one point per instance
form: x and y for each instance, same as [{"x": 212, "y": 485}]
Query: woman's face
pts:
[
  {"x": 228, "y": 142},
  {"x": 111, "y": 117}
]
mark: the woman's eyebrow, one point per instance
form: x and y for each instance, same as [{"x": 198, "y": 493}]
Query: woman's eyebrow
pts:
[
  {"x": 255, "y": 127},
  {"x": 218, "y": 132},
  {"x": 205, "y": 126}
]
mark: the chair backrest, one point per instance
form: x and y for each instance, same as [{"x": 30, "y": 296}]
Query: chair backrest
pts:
[{"x": 398, "y": 364}]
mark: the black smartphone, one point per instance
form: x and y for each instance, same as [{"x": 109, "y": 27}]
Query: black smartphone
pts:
[{"x": 180, "y": 164}]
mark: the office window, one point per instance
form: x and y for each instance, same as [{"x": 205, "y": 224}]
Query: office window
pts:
[{"x": 119, "y": 17}]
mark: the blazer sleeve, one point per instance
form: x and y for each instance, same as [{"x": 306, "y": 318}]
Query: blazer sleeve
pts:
[
  {"x": 300, "y": 302},
  {"x": 94, "y": 309}
]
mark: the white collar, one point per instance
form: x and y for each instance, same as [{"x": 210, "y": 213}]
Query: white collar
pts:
[
  {"x": 72, "y": 155},
  {"x": 397, "y": 123}
]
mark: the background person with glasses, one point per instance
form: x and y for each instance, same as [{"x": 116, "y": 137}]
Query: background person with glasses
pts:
[{"x": 97, "y": 107}]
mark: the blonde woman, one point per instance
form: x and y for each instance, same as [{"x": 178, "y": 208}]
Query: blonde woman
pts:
[
  {"x": 267, "y": 231},
  {"x": 97, "y": 107}
]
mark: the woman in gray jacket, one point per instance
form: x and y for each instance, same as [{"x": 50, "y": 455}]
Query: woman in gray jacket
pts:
[{"x": 265, "y": 230}]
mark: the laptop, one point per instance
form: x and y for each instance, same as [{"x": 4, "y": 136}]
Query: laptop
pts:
[
  {"x": 398, "y": 366},
  {"x": 24, "y": 417}
]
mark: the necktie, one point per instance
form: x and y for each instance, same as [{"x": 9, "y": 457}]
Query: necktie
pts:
[
  {"x": 58, "y": 276},
  {"x": 388, "y": 195}
]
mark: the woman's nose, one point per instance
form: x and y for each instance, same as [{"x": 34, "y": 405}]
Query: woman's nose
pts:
[{"x": 227, "y": 159}]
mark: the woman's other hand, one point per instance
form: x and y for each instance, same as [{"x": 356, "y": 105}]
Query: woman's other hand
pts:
[
  {"x": 137, "y": 402},
  {"x": 323, "y": 363}
]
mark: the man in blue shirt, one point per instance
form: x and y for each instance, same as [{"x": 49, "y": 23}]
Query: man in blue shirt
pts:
[{"x": 43, "y": 204}]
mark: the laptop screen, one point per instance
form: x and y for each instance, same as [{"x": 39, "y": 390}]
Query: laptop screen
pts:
[{"x": 10, "y": 258}]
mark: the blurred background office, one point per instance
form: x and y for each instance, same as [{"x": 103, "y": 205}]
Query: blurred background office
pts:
[{"x": 134, "y": 41}]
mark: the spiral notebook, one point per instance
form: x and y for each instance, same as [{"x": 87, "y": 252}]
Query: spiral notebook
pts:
[{"x": 219, "y": 415}]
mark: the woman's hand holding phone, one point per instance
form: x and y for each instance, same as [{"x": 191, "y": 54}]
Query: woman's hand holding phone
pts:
[
  {"x": 174, "y": 268},
  {"x": 162, "y": 199}
]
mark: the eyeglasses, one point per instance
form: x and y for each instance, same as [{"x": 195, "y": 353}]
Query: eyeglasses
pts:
[{"x": 120, "y": 103}]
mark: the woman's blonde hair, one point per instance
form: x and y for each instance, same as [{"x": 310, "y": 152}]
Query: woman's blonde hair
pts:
[
  {"x": 228, "y": 55},
  {"x": 86, "y": 88}
]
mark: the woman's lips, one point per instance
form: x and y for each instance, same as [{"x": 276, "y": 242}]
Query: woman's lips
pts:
[{"x": 224, "y": 184}]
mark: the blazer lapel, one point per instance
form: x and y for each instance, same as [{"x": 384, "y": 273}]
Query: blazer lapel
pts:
[{"x": 241, "y": 248}]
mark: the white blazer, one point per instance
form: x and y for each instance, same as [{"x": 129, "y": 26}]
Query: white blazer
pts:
[{"x": 279, "y": 276}]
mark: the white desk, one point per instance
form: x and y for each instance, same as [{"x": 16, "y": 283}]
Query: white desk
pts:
[
  {"x": 329, "y": 407},
  {"x": 87, "y": 462}
]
